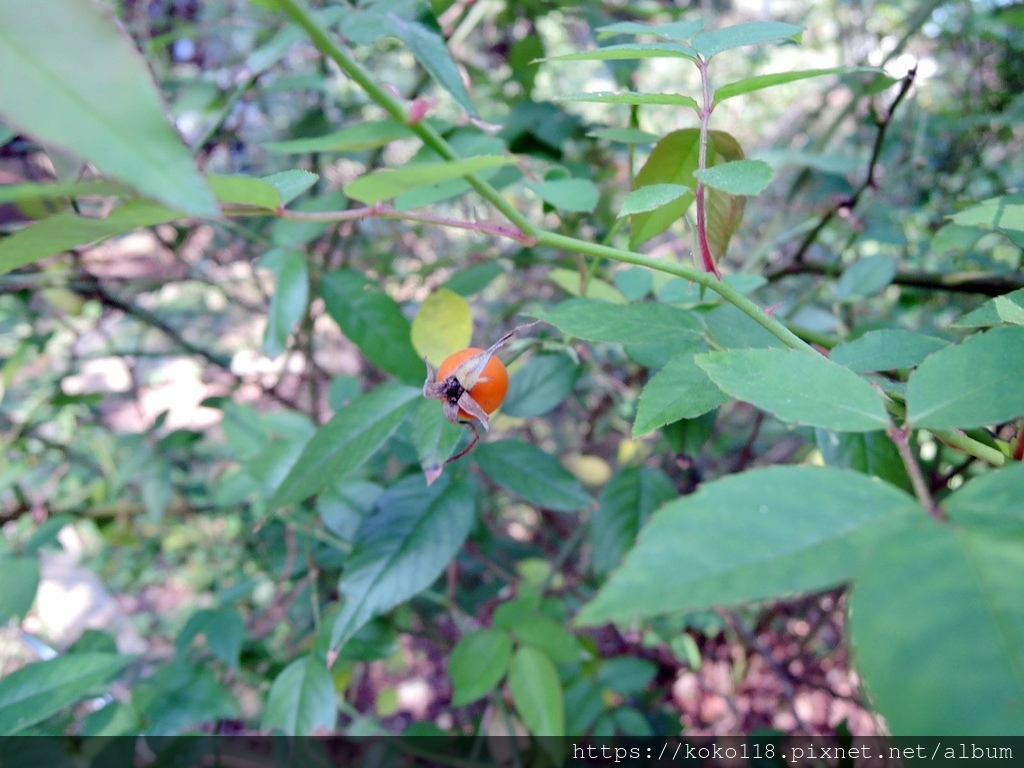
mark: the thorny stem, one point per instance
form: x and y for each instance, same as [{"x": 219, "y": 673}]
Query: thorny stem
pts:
[
  {"x": 924, "y": 495},
  {"x": 706, "y": 257}
]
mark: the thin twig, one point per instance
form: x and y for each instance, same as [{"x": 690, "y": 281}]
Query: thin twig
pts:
[
  {"x": 981, "y": 283},
  {"x": 783, "y": 674},
  {"x": 98, "y": 292},
  {"x": 924, "y": 495},
  {"x": 870, "y": 182},
  {"x": 747, "y": 453}
]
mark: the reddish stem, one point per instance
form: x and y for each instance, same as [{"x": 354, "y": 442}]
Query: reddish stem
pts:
[{"x": 707, "y": 259}]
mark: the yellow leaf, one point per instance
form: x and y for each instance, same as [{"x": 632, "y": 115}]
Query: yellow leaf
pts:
[{"x": 443, "y": 325}]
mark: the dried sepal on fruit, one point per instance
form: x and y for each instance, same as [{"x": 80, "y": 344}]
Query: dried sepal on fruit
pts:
[{"x": 470, "y": 384}]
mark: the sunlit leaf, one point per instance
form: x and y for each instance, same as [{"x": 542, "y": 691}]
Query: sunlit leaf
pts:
[
  {"x": 574, "y": 195},
  {"x": 443, "y": 325},
  {"x": 390, "y": 182},
  {"x": 117, "y": 122},
  {"x": 713, "y": 41},
  {"x": 629, "y": 51},
  {"x": 739, "y": 177},
  {"x": 651, "y": 197},
  {"x": 352, "y": 138},
  {"x": 632, "y": 97},
  {"x": 759, "y": 82}
]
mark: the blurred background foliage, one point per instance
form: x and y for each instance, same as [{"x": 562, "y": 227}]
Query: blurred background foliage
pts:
[{"x": 155, "y": 387}]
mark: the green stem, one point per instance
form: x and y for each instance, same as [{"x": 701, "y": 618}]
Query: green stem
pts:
[
  {"x": 956, "y": 439},
  {"x": 325, "y": 42},
  {"x": 706, "y": 279},
  {"x": 970, "y": 446}
]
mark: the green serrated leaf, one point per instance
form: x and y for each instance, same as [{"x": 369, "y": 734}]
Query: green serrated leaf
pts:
[
  {"x": 959, "y": 641},
  {"x": 872, "y": 453},
  {"x": 373, "y": 321},
  {"x": 351, "y": 436},
  {"x": 632, "y": 97},
  {"x": 246, "y": 191},
  {"x": 866, "y": 277},
  {"x": 19, "y": 580},
  {"x": 537, "y": 692},
  {"x": 760, "y": 82},
  {"x": 302, "y": 699},
  {"x": 181, "y": 696},
  {"x": 477, "y": 664},
  {"x": 385, "y": 184},
  {"x": 672, "y": 161},
  {"x": 474, "y": 279},
  {"x": 401, "y": 548},
  {"x": 434, "y": 437},
  {"x": 68, "y": 230},
  {"x": 116, "y": 122},
  {"x": 651, "y": 197},
  {"x": 413, "y": 22},
  {"x": 547, "y": 635},
  {"x": 222, "y": 629},
  {"x": 1002, "y": 310},
  {"x": 36, "y": 691},
  {"x": 714, "y": 41},
  {"x": 971, "y": 384},
  {"x": 739, "y": 177},
  {"x": 993, "y": 498},
  {"x": 541, "y": 385},
  {"x": 596, "y": 289},
  {"x": 573, "y": 195},
  {"x": 1005, "y": 212},
  {"x": 798, "y": 387},
  {"x": 631, "y": 51},
  {"x": 760, "y": 534},
  {"x": 888, "y": 349},
  {"x": 291, "y": 184},
  {"x": 681, "y": 390},
  {"x": 643, "y": 323},
  {"x": 20, "y": 193},
  {"x": 352, "y": 138},
  {"x": 537, "y": 476},
  {"x": 290, "y": 299},
  {"x": 626, "y": 502}
]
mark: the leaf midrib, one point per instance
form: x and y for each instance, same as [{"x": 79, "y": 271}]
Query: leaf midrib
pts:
[{"x": 56, "y": 82}]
